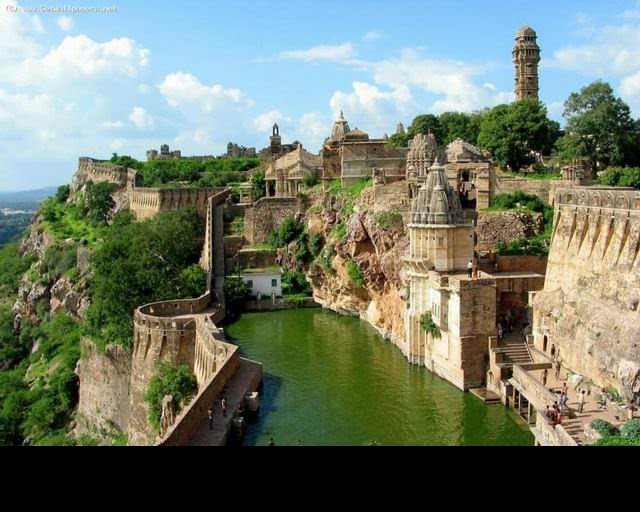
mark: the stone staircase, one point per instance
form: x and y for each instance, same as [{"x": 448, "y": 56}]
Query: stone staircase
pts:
[
  {"x": 516, "y": 352},
  {"x": 486, "y": 265}
]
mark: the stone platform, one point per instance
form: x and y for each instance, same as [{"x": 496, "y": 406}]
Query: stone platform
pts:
[{"x": 246, "y": 380}]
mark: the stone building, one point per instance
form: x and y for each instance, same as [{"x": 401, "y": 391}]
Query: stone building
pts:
[
  {"x": 462, "y": 310},
  {"x": 351, "y": 155},
  {"x": 579, "y": 173},
  {"x": 470, "y": 169},
  {"x": 276, "y": 148},
  {"x": 423, "y": 152},
  {"x": 164, "y": 154},
  {"x": 236, "y": 151},
  {"x": 526, "y": 57},
  {"x": 285, "y": 177}
]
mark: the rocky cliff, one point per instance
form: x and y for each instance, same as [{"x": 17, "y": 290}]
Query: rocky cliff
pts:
[{"x": 360, "y": 270}]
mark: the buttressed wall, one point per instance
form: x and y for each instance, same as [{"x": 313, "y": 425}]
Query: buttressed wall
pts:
[{"x": 589, "y": 308}]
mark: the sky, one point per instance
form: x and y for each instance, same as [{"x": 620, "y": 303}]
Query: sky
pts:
[{"x": 197, "y": 74}]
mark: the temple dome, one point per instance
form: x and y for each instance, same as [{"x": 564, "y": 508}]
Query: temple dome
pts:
[
  {"x": 357, "y": 135},
  {"x": 437, "y": 202},
  {"x": 340, "y": 129}
]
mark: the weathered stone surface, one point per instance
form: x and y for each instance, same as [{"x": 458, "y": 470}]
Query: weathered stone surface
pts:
[
  {"x": 103, "y": 408},
  {"x": 504, "y": 227}
]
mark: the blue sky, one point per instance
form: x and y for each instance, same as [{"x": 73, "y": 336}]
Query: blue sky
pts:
[{"x": 197, "y": 74}]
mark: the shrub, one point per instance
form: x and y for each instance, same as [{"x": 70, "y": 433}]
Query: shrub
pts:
[
  {"x": 288, "y": 231},
  {"x": 316, "y": 242},
  {"x": 356, "y": 190},
  {"x": 355, "y": 274},
  {"x": 518, "y": 200},
  {"x": 429, "y": 326},
  {"x": 236, "y": 293},
  {"x": 295, "y": 283},
  {"x": 631, "y": 431},
  {"x": 178, "y": 382},
  {"x": 57, "y": 261},
  {"x": 97, "y": 202},
  {"x": 310, "y": 181},
  {"x": 604, "y": 428},
  {"x": 389, "y": 220},
  {"x": 258, "y": 185},
  {"x": 621, "y": 177},
  {"x": 327, "y": 258},
  {"x": 192, "y": 282},
  {"x": 63, "y": 193}
]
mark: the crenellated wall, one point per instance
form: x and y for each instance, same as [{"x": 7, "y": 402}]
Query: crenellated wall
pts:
[
  {"x": 589, "y": 308},
  {"x": 147, "y": 202}
]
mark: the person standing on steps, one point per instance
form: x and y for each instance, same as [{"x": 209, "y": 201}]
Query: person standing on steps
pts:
[
  {"x": 558, "y": 370},
  {"x": 210, "y": 414},
  {"x": 470, "y": 269},
  {"x": 582, "y": 399},
  {"x": 545, "y": 377},
  {"x": 224, "y": 407}
]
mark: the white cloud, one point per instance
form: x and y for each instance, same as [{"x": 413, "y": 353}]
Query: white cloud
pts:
[
  {"x": 453, "y": 81},
  {"x": 185, "y": 90},
  {"x": 372, "y": 36},
  {"x": 370, "y": 107},
  {"x": 65, "y": 23},
  {"x": 313, "y": 129},
  {"x": 81, "y": 57},
  {"x": 144, "y": 89},
  {"x": 264, "y": 122},
  {"x": 341, "y": 52},
  {"x": 112, "y": 125},
  {"x": 141, "y": 119}
]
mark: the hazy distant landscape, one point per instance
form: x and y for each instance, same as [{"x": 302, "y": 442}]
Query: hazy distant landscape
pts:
[{"x": 17, "y": 209}]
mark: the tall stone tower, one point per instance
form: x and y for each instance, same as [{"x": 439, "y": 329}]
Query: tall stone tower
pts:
[{"x": 526, "y": 57}]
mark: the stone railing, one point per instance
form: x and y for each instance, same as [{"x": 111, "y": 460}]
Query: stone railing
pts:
[
  {"x": 552, "y": 435},
  {"x": 216, "y": 362},
  {"x": 172, "y": 308},
  {"x": 534, "y": 391}
]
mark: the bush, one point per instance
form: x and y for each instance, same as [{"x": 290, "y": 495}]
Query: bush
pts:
[
  {"x": 518, "y": 200},
  {"x": 295, "y": 283},
  {"x": 63, "y": 193},
  {"x": 178, "y": 382},
  {"x": 97, "y": 203},
  {"x": 631, "y": 431},
  {"x": 58, "y": 260},
  {"x": 429, "y": 326},
  {"x": 316, "y": 242},
  {"x": 604, "y": 428},
  {"x": 258, "y": 184},
  {"x": 310, "y": 181},
  {"x": 288, "y": 231},
  {"x": 236, "y": 293},
  {"x": 192, "y": 282},
  {"x": 356, "y": 190},
  {"x": 355, "y": 274},
  {"x": 327, "y": 258},
  {"x": 621, "y": 177},
  {"x": 389, "y": 220}
]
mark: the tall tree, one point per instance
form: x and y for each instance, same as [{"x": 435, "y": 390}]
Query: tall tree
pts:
[
  {"x": 514, "y": 133},
  {"x": 600, "y": 128}
]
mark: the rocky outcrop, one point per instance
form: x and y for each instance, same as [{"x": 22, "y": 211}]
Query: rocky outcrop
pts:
[
  {"x": 504, "y": 227},
  {"x": 377, "y": 251},
  {"x": 103, "y": 408}
]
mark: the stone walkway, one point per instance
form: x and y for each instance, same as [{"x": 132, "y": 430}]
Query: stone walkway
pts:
[
  {"x": 246, "y": 380},
  {"x": 574, "y": 424}
]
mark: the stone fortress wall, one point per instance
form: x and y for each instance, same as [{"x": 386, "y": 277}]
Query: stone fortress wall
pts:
[
  {"x": 589, "y": 308},
  {"x": 265, "y": 216},
  {"x": 178, "y": 333}
]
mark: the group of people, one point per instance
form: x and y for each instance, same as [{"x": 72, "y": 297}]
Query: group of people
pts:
[
  {"x": 505, "y": 325},
  {"x": 211, "y": 411}
]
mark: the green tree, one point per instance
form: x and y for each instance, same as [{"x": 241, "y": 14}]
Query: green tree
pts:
[
  {"x": 192, "y": 281},
  {"x": 98, "y": 203},
  {"x": 259, "y": 185},
  {"x": 460, "y": 125},
  {"x": 178, "y": 382},
  {"x": 138, "y": 264},
  {"x": 621, "y": 177},
  {"x": 236, "y": 293},
  {"x": 426, "y": 123},
  {"x": 63, "y": 193},
  {"x": 600, "y": 128},
  {"x": 399, "y": 140},
  {"x": 513, "y": 133}
]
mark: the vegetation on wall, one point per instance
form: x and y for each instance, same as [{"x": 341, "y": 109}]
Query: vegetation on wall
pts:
[
  {"x": 429, "y": 326},
  {"x": 236, "y": 293},
  {"x": 519, "y": 201},
  {"x": 176, "y": 381},
  {"x": 173, "y": 173},
  {"x": 355, "y": 273}
]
